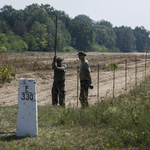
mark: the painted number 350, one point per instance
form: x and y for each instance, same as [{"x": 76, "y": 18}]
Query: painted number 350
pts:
[{"x": 27, "y": 96}]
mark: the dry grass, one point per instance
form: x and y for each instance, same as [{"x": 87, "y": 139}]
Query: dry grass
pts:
[{"x": 42, "y": 61}]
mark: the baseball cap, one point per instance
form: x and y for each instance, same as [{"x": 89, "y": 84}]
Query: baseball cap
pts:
[
  {"x": 59, "y": 59},
  {"x": 81, "y": 53}
]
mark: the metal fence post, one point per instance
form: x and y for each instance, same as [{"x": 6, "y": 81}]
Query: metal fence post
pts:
[
  {"x": 98, "y": 84},
  {"x": 77, "y": 83},
  {"x": 125, "y": 74},
  {"x": 135, "y": 71},
  {"x": 145, "y": 62},
  {"x": 114, "y": 80}
]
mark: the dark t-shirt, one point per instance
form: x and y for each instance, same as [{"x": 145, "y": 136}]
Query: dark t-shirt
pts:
[{"x": 60, "y": 75}]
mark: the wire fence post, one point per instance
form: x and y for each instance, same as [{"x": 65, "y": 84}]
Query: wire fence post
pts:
[
  {"x": 135, "y": 71},
  {"x": 114, "y": 80},
  {"x": 77, "y": 84},
  {"x": 125, "y": 74},
  {"x": 145, "y": 62},
  {"x": 98, "y": 84}
]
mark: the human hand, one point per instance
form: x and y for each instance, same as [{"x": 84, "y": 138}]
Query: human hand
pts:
[
  {"x": 91, "y": 85},
  {"x": 54, "y": 59},
  {"x": 55, "y": 67}
]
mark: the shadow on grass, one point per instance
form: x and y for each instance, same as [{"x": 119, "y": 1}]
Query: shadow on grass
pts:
[{"x": 11, "y": 137}]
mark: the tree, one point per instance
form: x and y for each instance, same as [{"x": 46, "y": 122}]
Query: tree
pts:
[
  {"x": 65, "y": 36},
  {"x": 38, "y": 33},
  {"x": 126, "y": 41},
  {"x": 19, "y": 28},
  {"x": 82, "y": 36},
  {"x": 31, "y": 42},
  {"x": 85, "y": 18},
  {"x": 6, "y": 12},
  {"x": 3, "y": 27},
  {"x": 16, "y": 15},
  {"x": 3, "y": 40},
  {"x": 142, "y": 39},
  {"x": 37, "y": 13},
  {"x": 103, "y": 23},
  {"x": 50, "y": 43},
  {"x": 105, "y": 34}
]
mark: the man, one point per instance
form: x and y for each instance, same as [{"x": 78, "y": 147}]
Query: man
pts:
[
  {"x": 85, "y": 79},
  {"x": 58, "y": 88}
]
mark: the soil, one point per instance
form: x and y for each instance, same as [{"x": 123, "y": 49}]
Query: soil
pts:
[{"x": 108, "y": 85}]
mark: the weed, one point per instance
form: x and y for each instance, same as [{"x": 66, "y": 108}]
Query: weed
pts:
[
  {"x": 5, "y": 73},
  {"x": 112, "y": 65}
]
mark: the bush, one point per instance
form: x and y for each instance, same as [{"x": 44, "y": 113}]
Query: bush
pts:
[
  {"x": 5, "y": 73},
  {"x": 99, "y": 48},
  {"x": 112, "y": 65},
  {"x": 69, "y": 49}
]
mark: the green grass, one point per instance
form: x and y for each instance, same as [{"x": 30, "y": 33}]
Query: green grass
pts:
[{"x": 119, "y": 123}]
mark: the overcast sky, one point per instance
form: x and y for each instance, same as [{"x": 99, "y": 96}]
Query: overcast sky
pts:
[{"x": 119, "y": 12}]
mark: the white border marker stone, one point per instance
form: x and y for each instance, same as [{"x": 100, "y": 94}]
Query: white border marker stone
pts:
[{"x": 27, "y": 120}]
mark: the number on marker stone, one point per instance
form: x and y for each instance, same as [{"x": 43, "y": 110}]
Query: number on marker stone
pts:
[
  {"x": 31, "y": 97},
  {"x": 23, "y": 98},
  {"x": 27, "y": 97}
]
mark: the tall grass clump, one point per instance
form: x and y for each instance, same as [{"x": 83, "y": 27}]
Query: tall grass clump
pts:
[{"x": 126, "y": 117}]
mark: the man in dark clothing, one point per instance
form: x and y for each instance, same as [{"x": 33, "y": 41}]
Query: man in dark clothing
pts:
[
  {"x": 59, "y": 82},
  {"x": 85, "y": 79}
]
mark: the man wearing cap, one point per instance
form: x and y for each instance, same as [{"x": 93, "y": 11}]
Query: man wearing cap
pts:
[
  {"x": 85, "y": 79},
  {"x": 58, "y": 88}
]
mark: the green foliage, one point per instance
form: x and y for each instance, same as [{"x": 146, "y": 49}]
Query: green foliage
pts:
[
  {"x": 3, "y": 41},
  {"x": 69, "y": 49},
  {"x": 112, "y": 66},
  {"x": 5, "y": 73},
  {"x": 82, "y": 36},
  {"x": 105, "y": 34},
  {"x": 39, "y": 32},
  {"x": 142, "y": 39},
  {"x": 99, "y": 48},
  {"x": 12, "y": 42},
  {"x": 65, "y": 36},
  {"x": 33, "y": 29},
  {"x": 84, "y": 18},
  {"x": 126, "y": 40}
]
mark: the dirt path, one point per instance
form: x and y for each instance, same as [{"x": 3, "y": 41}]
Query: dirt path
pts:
[{"x": 9, "y": 91}]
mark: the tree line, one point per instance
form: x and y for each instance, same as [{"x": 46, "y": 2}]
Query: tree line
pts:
[{"x": 33, "y": 29}]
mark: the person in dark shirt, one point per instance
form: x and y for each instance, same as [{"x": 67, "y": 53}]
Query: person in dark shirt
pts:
[{"x": 58, "y": 88}]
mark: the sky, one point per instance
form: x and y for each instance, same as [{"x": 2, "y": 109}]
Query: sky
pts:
[{"x": 130, "y": 13}]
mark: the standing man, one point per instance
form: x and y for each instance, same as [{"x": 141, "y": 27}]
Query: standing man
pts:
[
  {"x": 85, "y": 79},
  {"x": 58, "y": 88}
]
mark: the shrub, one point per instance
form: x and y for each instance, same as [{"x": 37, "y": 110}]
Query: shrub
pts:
[
  {"x": 112, "y": 66},
  {"x": 5, "y": 73},
  {"x": 69, "y": 49}
]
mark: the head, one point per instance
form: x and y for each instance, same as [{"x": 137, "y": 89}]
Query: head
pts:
[
  {"x": 59, "y": 61},
  {"x": 81, "y": 55}
]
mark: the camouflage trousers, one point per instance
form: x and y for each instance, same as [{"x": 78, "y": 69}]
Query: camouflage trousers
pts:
[
  {"x": 58, "y": 90},
  {"x": 84, "y": 93}
]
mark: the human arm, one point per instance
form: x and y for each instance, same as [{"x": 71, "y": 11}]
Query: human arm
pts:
[
  {"x": 53, "y": 63},
  {"x": 56, "y": 67},
  {"x": 60, "y": 68},
  {"x": 90, "y": 81}
]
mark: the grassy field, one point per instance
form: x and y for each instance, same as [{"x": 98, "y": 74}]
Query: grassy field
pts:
[{"x": 119, "y": 123}]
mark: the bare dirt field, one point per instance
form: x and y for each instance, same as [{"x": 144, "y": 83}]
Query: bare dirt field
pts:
[{"x": 38, "y": 66}]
